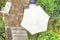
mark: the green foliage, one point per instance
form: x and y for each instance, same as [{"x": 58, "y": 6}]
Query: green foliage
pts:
[
  {"x": 47, "y": 5},
  {"x": 1, "y": 23},
  {"x": 48, "y": 35},
  {"x": 2, "y": 3},
  {"x": 56, "y": 25},
  {"x": 2, "y": 35},
  {"x": 52, "y": 7},
  {"x": 56, "y": 13},
  {"x": 1, "y": 38},
  {"x": 2, "y": 30},
  {"x": 32, "y": 37},
  {"x": 50, "y": 24}
]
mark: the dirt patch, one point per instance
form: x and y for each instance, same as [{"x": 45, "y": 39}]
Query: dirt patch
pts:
[{"x": 16, "y": 13}]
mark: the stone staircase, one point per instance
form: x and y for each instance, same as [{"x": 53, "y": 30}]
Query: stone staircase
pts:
[{"x": 15, "y": 17}]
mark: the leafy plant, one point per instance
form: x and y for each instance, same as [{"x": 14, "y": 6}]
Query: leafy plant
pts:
[
  {"x": 56, "y": 25},
  {"x": 50, "y": 24},
  {"x": 2, "y": 3},
  {"x": 2, "y": 30},
  {"x": 32, "y": 37},
  {"x": 1, "y": 24},
  {"x": 47, "y": 5},
  {"x": 52, "y": 8},
  {"x": 48, "y": 35},
  {"x": 1, "y": 38}
]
